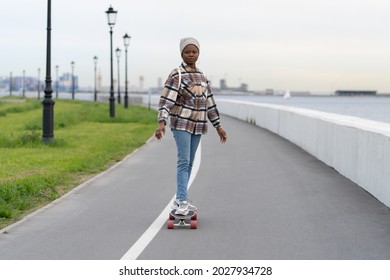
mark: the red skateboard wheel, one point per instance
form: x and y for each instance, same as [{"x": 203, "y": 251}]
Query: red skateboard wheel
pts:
[
  {"x": 170, "y": 225},
  {"x": 194, "y": 225}
]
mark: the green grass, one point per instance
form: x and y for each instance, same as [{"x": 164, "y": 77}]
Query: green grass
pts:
[{"x": 87, "y": 141}]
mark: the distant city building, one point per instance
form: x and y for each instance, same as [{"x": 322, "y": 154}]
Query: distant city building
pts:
[
  {"x": 2, "y": 82},
  {"x": 355, "y": 92},
  {"x": 223, "y": 88},
  {"x": 141, "y": 83},
  {"x": 17, "y": 83},
  {"x": 243, "y": 87},
  {"x": 99, "y": 81},
  {"x": 65, "y": 82},
  {"x": 222, "y": 84}
]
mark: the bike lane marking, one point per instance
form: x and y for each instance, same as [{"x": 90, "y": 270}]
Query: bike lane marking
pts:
[{"x": 139, "y": 246}]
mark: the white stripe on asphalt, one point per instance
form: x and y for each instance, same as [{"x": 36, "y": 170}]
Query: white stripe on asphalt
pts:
[{"x": 151, "y": 232}]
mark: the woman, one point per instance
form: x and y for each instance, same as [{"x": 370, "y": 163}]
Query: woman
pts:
[{"x": 188, "y": 101}]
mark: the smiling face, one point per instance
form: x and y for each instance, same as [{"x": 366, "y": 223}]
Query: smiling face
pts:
[{"x": 190, "y": 55}]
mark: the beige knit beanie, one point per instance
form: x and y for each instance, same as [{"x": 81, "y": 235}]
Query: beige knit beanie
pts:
[{"x": 188, "y": 41}]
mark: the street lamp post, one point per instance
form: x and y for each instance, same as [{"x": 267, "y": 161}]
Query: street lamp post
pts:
[
  {"x": 57, "y": 81},
  {"x": 118, "y": 55},
  {"x": 10, "y": 84},
  {"x": 72, "y": 64},
  {"x": 39, "y": 83},
  {"x": 95, "y": 61},
  {"x": 111, "y": 17},
  {"x": 48, "y": 103},
  {"x": 126, "y": 40},
  {"x": 24, "y": 84}
]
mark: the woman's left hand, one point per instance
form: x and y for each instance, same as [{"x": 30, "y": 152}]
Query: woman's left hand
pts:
[{"x": 222, "y": 134}]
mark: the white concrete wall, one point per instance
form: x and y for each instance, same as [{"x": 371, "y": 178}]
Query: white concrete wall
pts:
[{"x": 357, "y": 148}]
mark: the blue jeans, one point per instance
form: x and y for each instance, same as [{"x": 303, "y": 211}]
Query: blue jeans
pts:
[{"x": 186, "y": 144}]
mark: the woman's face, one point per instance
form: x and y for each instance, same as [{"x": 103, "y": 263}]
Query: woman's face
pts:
[{"x": 190, "y": 55}]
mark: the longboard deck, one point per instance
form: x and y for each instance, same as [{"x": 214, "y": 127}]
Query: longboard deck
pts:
[{"x": 183, "y": 217}]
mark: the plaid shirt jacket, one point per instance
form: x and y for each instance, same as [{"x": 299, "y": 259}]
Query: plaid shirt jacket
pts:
[{"x": 189, "y": 104}]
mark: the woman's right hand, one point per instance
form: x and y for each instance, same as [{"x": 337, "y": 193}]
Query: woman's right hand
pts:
[{"x": 160, "y": 131}]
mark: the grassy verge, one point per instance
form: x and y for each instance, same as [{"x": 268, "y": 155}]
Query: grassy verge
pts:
[{"x": 87, "y": 141}]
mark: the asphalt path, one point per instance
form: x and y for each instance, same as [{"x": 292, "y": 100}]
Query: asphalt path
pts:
[{"x": 259, "y": 197}]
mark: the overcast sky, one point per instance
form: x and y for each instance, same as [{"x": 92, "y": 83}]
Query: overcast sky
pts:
[{"x": 316, "y": 45}]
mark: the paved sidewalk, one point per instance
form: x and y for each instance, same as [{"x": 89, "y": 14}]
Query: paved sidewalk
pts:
[{"x": 259, "y": 197}]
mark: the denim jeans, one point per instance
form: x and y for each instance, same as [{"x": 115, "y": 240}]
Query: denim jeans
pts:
[{"x": 186, "y": 144}]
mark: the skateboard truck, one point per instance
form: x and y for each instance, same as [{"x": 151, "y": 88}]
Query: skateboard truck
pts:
[{"x": 184, "y": 221}]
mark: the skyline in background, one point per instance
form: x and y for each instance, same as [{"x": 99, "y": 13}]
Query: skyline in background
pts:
[{"x": 297, "y": 45}]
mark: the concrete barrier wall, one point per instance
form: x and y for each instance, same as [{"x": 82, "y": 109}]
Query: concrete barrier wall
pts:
[{"x": 357, "y": 148}]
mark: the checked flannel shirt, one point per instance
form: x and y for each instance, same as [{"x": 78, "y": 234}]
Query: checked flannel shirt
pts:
[{"x": 189, "y": 104}]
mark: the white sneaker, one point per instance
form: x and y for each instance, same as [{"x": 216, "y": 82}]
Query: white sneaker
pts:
[
  {"x": 183, "y": 208},
  {"x": 175, "y": 205}
]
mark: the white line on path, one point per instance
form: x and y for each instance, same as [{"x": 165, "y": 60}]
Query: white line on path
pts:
[{"x": 151, "y": 232}]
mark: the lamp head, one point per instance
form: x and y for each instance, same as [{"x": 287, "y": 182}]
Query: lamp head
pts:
[
  {"x": 126, "y": 40},
  {"x": 111, "y": 16}
]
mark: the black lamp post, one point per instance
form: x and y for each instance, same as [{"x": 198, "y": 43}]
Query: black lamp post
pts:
[
  {"x": 72, "y": 64},
  {"x": 39, "y": 83},
  {"x": 126, "y": 40},
  {"x": 24, "y": 83},
  {"x": 48, "y": 103},
  {"x": 10, "y": 84},
  {"x": 118, "y": 55},
  {"x": 95, "y": 61},
  {"x": 111, "y": 17},
  {"x": 57, "y": 81}
]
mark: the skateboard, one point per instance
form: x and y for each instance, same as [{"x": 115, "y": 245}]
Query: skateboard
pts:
[{"x": 184, "y": 221}]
